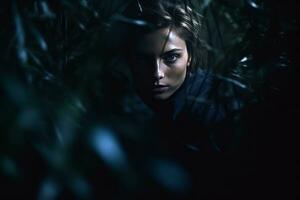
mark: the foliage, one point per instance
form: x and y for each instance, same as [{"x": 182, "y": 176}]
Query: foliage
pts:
[{"x": 63, "y": 102}]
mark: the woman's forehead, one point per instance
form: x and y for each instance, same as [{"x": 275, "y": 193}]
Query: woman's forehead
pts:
[{"x": 160, "y": 40}]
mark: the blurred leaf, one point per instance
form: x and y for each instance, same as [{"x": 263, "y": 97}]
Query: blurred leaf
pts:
[
  {"x": 49, "y": 189},
  {"x": 130, "y": 21},
  {"x": 254, "y": 4},
  {"x": 20, "y": 35},
  {"x": 40, "y": 39},
  {"x": 9, "y": 167},
  {"x": 81, "y": 188},
  {"x": 170, "y": 175},
  {"x": 46, "y": 12},
  {"x": 108, "y": 148}
]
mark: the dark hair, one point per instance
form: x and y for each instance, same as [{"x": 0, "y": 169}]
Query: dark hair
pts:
[{"x": 143, "y": 16}]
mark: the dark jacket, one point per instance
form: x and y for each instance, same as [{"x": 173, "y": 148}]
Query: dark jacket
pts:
[
  {"x": 196, "y": 128},
  {"x": 199, "y": 115}
]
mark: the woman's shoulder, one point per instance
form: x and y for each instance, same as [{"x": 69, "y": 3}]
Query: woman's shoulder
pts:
[
  {"x": 211, "y": 97},
  {"x": 211, "y": 104},
  {"x": 198, "y": 96}
]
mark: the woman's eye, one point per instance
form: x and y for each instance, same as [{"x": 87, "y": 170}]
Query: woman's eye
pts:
[{"x": 172, "y": 58}]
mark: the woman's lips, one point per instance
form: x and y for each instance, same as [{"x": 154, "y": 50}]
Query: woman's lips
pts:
[{"x": 160, "y": 88}]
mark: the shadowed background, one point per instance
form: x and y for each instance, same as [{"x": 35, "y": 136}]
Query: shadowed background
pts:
[{"x": 65, "y": 131}]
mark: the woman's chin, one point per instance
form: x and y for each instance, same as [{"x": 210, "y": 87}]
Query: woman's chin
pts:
[
  {"x": 161, "y": 96},
  {"x": 154, "y": 96}
]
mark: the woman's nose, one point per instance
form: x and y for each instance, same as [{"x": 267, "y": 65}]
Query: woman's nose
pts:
[{"x": 158, "y": 73}]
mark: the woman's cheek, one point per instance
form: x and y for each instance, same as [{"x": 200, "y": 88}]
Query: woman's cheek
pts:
[{"x": 180, "y": 68}]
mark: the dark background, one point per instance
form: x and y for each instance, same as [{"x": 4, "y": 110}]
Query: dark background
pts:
[{"x": 64, "y": 101}]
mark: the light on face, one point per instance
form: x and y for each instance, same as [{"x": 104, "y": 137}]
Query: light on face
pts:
[{"x": 162, "y": 59}]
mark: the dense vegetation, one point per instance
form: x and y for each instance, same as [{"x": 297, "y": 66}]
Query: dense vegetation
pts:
[{"x": 63, "y": 98}]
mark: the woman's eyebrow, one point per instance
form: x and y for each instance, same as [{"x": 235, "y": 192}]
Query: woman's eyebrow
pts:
[{"x": 171, "y": 51}]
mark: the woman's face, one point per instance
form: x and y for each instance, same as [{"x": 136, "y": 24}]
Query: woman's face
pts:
[{"x": 160, "y": 63}]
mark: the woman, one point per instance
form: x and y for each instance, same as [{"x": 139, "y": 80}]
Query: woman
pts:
[
  {"x": 192, "y": 117},
  {"x": 170, "y": 76}
]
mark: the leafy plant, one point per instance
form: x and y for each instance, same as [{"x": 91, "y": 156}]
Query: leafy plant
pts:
[{"x": 64, "y": 127}]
